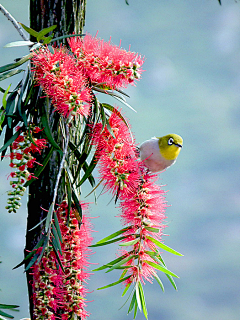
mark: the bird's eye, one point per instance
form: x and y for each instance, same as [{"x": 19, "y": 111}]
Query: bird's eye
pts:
[{"x": 170, "y": 141}]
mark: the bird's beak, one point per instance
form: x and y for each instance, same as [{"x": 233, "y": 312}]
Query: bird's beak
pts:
[{"x": 178, "y": 145}]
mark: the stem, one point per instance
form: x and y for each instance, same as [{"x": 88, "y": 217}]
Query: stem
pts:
[{"x": 14, "y": 22}]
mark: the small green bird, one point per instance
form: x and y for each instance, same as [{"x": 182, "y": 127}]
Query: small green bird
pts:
[{"x": 160, "y": 153}]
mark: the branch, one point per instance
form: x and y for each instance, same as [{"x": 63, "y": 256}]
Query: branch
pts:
[{"x": 14, "y": 22}]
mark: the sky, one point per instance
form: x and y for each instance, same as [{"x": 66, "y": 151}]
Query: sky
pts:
[{"x": 190, "y": 87}]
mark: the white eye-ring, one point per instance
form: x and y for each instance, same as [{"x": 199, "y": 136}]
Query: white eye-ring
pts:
[{"x": 170, "y": 141}]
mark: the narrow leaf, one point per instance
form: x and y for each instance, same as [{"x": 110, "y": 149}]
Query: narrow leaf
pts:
[
  {"x": 29, "y": 30},
  {"x": 163, "y": 246},
  {"x": 138, "y": 297},
  {"x": 57, "y": 226},
  {"x": 31, "y": 263},
  {"x": 38, "y": 224},
  {"x": 156, "y": 230},
  {"x": 45, "y": 31},
  {"x": 48, "y": 131},
  {"x": 161, "y": 268},
  {"x": 10, "y": 74},
  {"x": 57, "y": 256},
  {"x": 49, "y": 217},
  {"x": 113, "y": 235},
  {"x": 15, "y": 64},
  {"x": 19, "y": 44},
  {"x": 108, "y": 242},
  {"x": 8, "y": 306},
  {"x": 10, "y": 141},
  {"x": 129, "y": 243},
  {"x": 56, "y": 238},
  {"x": 4, "y": 314},
  {"x": 109, "y": 264},
  {"x": 114, "y": 283},
  {"x": 158, "y": 281},
  {"x": 143, "y": 302},
  {"x": 120, "y": 263},
  {"x": 132, "y": 303},
  {"x": 78, "y": 206},
  {"x": 67, "y": 36},
  {"x": 126, "y": 289}
]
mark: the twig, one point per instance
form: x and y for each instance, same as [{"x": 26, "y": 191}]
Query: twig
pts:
[{"x": 14, "y": 22}]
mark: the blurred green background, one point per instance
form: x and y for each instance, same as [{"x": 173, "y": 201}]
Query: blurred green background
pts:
[{"x": 190, "y": 87}]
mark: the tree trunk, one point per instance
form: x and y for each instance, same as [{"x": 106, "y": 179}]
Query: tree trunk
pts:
[{"x": 69, "y": 16}]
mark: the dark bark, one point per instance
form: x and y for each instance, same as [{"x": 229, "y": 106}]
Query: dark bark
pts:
[{"x": 69, "y": 16}]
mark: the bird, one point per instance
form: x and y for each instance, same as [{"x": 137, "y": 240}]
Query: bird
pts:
[{"x": 159, "y": 153}]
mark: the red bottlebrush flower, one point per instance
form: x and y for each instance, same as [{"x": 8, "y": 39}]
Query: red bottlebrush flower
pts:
[
  {"x": 31, "y": 162},
  {"x": 105, "y": 63},
  {"x": 62, "y": 81},
  {"x": 117, "y": 158},
  {"x": 40, "y": 144},
  {"x": 12, "y": 165},
  {"x": 64, "y": 292},
  {"x": 37, "y": 129},
  {"x": 18, "y": 156},
  {"x": 22, "y": 167}
]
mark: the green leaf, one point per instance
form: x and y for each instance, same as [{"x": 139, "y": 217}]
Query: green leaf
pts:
[
  {"x": 108, "y": 242},
  {"x": 38, "y": 224},
  {"x": 114, "y": 283},
  {"x": 126, "y": 289},
  {"x": 135, "y": 309},
  {"x": 161, "y": 268},
  {"x": 111, "y": 263},
  {"x": 158, "y": 281},
  {"x": 29, "y": 30},
  {"x": 111, "y": 236},
  {"x": 4, "y": 314},
  {"x": 138, "y": 297},
  {"x": 55, "y": 239},
  {"x": 43, "y": 249},
  {"x": 49, "y": 217},
  {"x": 121, "y": 262},
  {"x": 10, "y": 74},
  {"x": 124, "y": 102},
  {"x": 129, "y": 243},
  {"x": 67, "y": 36},
  {"x": 89, "y": 171},
  {"x": 10, "y": 141},
  {"x": 57, "y": 256},
  {"x": 143, "y": 302},
  {"x": 48, "y": 131},
  {"x": 114, "y": 110},
  {"x": 15, "y": 64},
  {"x": 156, "y": 230},
  {"x": 19, "y": 44},
  {"x": 172, "y": 281},
  {"x": 38, "y": 245},
  {"x": 45, "y": 31},
  {"x": 163, "y": 246},
  {"x": 57, "y": 226},
  {"x": 31, "y": 263},
  {"x": 10, "y": 107},
  {"x": 78, "y": 206},
  {"x": 8, "y": 306},
  {"x": 110, "y": 129},
  {"x": 132, "y": 303},
  {"x": 48, "y": 39}
]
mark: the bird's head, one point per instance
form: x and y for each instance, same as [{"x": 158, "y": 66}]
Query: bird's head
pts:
[{"x": 170, "y": 146}]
